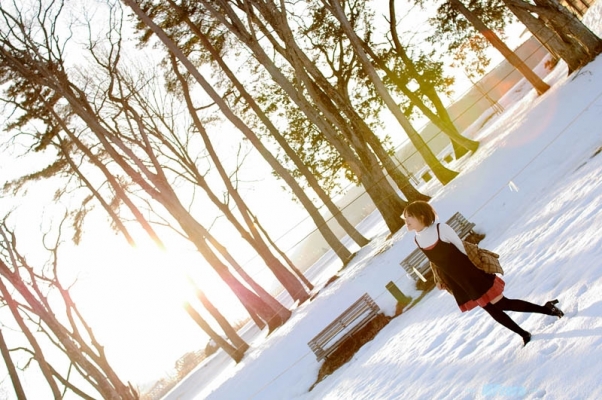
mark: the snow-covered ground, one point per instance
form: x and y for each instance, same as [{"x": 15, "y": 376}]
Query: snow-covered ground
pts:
[{"x": 534, "y": 188}]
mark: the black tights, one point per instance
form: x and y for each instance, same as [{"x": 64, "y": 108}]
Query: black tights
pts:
[{"x": 497, "y": 312}]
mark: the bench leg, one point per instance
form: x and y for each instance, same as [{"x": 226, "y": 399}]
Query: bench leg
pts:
[{"x": 419, "y": 275}]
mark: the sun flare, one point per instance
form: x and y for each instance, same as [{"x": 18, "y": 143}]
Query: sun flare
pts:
[{"x": 133, "y": 298}]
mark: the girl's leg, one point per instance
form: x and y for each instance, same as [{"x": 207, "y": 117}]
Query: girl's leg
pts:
[
  {"x": 501, "y": 317},
  {"x": 524, "y": 306}
]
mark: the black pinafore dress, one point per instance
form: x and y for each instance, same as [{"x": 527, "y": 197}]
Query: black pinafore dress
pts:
[{"x": 469, "y": 285}]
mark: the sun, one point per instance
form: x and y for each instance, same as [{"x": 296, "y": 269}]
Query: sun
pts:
[
  {"x": 181, "y": 273},
  {"x": 133, "y": 298}
]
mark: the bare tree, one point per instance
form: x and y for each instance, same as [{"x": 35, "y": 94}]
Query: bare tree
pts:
[
  {"x": 56, "y": 323},
  {"x": 122, "y": 138},
  {"x": 161, "y": 127},
  {"x": 327, "y": 233},
  {"x": 12, "y": 370},
  {"x": 230, "y": 332}
]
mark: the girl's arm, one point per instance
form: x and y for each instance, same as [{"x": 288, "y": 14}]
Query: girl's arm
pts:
[{"x": 447, "y": 234}]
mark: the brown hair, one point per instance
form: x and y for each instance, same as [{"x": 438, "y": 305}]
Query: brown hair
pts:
[{"x": 421, "y": 210}]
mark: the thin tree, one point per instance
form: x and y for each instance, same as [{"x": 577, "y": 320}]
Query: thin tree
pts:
[
  {"x": 330, "y": 120},
  {"x": 429, "y": 78},
  {"x": 52, "y": 78},
  {"x": 12, "y": 370},
  {"x": 540, "y": 86},
  {"x": 161, "y": 127},
  {"x": 299, "y": 164},
  {"x": 60, "y": 321},
  {"x": 235, "y": 353},
  {"x": 230, "y": 332},
  {"x": 343, "y": 253},
  {"x": 443, "y": 174}
]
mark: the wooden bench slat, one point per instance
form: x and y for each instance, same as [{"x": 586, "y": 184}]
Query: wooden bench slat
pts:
[
  {"x": 341, "y": 335},
  {"x": 352, "y": 323},
  {"x": 336, "y": 326},
  {"x": 334, "y": 345},
  {"x": 348, "y": 322},
  {"x": 324, "y": 350}
]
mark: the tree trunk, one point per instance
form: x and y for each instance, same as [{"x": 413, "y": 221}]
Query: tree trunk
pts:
[
  {"x": 336, "y": 245},
  {"x": 195, "y": 231},
  {"x": 38, "y": 355},
  {"x": 443, "y": 174},
  {"x": 573, "y": 40},
  {"x": 576, "y": 7},
  {"x": 338, "y": 216},
  {"x": 254, "y": 238},
  {"x": 60, "y": 83},
  {"x": 169, "y": 200},
  {"x": 258, "y": 289},
  {"x": 236, "y": 340},
  {"x": 110, "y": 387},
  {"x": 250, "y": 299},
  {"x": 236, "y": 354},
  {"x": 558, "y": 48},
  {"x": 402, "y": 181},
  {"x": 323, "y": 94},
  {"x": 12, "y": 371},
  {"x": 329, "y": 113},
  {"x": 283, "y": 254},
  {"x": 197, "y": 234},
  {"x": 539, "y": 85},
  {"x": 441, "y": 118},
  {"x": 333, "y": 98},
  {"x": 111, "y": 180},
  {"x": 564, "y": 22},
  {"x": 386, "y": 200}
]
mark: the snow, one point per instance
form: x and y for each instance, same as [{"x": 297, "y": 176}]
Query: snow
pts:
[{"x": 534, "y": 189}]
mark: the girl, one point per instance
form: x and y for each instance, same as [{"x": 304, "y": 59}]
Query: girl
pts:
[{"x": 469, "y": 285}]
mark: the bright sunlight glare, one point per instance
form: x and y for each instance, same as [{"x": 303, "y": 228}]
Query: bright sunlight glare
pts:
[{"x": 133, "y": 297}]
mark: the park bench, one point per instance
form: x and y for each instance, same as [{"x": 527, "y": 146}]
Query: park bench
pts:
[
  {"x": 417, "y": 265},
  {"x": 354, "y": 318}
]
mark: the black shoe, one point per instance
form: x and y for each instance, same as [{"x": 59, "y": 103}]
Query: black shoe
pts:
[
  {"x": 550, "y": 305},
  {"x": 526, "y": 338}
]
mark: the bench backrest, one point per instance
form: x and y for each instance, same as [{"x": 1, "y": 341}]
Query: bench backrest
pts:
[
  {"x": 363, "y": 310},
  {"x": 460, "y": 224}
]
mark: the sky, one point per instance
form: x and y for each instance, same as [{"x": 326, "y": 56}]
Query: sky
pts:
[
  {"x": 534, "y": 189},
  {"x": 130, "y": 322}
]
